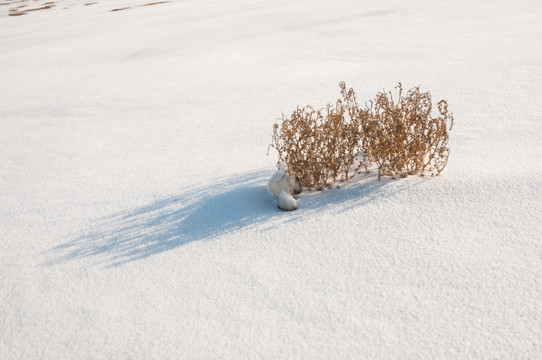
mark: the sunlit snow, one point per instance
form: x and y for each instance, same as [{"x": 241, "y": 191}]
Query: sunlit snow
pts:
[{"x": 135, "y": 220}]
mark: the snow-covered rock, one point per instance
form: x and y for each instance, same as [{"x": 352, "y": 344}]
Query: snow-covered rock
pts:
[
  {"x": 281, "y": 180},
  {"x": 282, "y": 186},
  {"x": 287, "y": 201}
]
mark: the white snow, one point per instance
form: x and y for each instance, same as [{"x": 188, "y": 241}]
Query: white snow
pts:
[
  {"x": 134, "y": 216},
  {"x": 286, "y": 201}
]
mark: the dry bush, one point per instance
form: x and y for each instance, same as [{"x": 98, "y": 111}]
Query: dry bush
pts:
[
  {"x": 333, "y": 143},
  {"x": 318, "y": 146},
  {"x": 402, "y": 137}
]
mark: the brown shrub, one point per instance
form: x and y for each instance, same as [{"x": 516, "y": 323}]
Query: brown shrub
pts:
[
  {"x": 403, "y": 138},
  {"x": 333, "y": 143},
  {"x": 318, "y": 146}
]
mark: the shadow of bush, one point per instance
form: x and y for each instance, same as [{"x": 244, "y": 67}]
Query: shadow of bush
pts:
[{"x": 204, "y": 213}]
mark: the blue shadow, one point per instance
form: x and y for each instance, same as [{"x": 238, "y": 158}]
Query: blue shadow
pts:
[{"x": 203, "y": 213}]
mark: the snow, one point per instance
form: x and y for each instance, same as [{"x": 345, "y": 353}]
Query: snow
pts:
[
  {"x": 134, "y": 216},
  {"x": 286, "y": 201}
]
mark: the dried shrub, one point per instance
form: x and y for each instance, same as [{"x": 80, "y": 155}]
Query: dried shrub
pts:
[
  {"x": 334, "y": 143},
  {"x": 402, "y": 137},
  {"x": 318, "y": 146}
]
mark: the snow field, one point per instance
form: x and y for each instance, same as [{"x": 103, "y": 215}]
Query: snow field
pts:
[{"x": 134, "y": 216}]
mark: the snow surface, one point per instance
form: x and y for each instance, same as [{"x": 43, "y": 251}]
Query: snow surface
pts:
[{"x": 134, "y": 216}]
